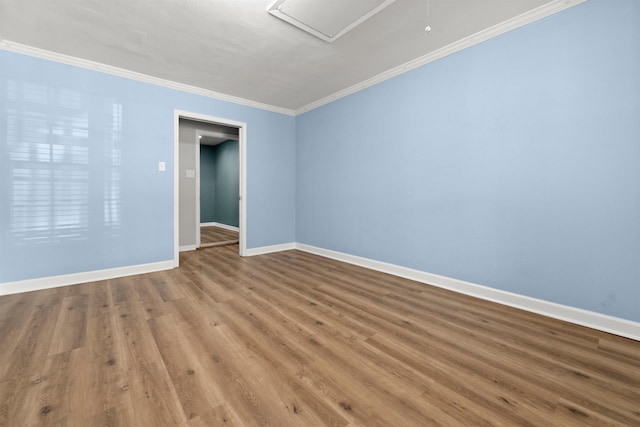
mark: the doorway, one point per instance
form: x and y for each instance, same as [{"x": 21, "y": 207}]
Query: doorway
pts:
[
  {"x": 218, "y": 187},
  {"x": 187, "y": 175}
]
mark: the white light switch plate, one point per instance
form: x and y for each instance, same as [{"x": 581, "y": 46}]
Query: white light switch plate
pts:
[
  {"x": 191, "y": 173},
  {"x": 161, "y": 166}
]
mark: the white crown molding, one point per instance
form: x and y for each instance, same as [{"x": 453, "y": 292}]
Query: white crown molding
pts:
[
  {"x": 479, "y": 37},
  {"x": 590, "y": 319},
  {"x": 121, "y": 72},
  {"x": 508, "y": 25},
  {"x": 270, "y": 249},
  {"x": 78, "y": 278}
]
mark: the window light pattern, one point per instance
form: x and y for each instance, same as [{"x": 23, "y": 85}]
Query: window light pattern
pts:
[{"x": 57, "y": 169}]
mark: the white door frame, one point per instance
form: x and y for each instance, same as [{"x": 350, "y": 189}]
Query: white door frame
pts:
[{"x": 242, "y": 143}]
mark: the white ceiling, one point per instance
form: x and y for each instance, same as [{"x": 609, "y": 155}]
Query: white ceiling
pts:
[{"x": 235, "y": 47}]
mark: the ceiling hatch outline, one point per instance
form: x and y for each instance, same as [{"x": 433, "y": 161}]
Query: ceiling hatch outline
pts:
[{"x": 327, "y": 20}]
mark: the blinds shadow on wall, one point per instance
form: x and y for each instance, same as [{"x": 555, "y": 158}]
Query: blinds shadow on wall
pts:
[{"x": 63, "y": 179}]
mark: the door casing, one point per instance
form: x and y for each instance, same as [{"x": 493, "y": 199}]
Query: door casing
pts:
[{"x": 242, "y": 146}]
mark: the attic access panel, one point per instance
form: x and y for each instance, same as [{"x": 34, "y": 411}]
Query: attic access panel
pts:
[{"x": 326, "y": 19}]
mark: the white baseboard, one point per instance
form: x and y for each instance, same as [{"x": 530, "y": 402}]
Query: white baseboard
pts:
[
  {"x": 269, "y": 249},
  {"x": 602, "y": 322},
  {"x": 187, "y": 248},
  {"x": 218, "y": 224},
  {"x": 77, "y": 278}
]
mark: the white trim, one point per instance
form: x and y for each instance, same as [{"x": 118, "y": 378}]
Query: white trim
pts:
[
  {"x": 185, "y": 248},
  {"x": 242, "y": 148},
  {"x": 128, "y": 74},
  {"x": 479, "y": 37},
  {"x": 219, "y": 225},
  {"x": 78, "y": 278},
  {"x": 242, "y": 232},
  {"x": 501, "y": 28},
  {"x": 590, "y": 319},
  {"x": 197, "y": 144},
  {"x": 270, "y": 249},
  {"x": 176, "y": 189},
  {"x": 275, "y": 10}
]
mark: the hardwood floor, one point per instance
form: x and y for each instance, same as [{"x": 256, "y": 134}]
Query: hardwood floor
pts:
[
  {"x": 217, "y": 236},
  {"x": 292, "y": 339}
]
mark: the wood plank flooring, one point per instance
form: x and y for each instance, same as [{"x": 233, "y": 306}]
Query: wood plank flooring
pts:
[
  {"x": 292, "y": 339},
  {"x": 217, "y": 236}
]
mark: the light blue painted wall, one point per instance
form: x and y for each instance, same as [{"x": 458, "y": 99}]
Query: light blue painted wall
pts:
[
  {"x": 64, "y": 97},
  {"x": 513, "y": 164}
]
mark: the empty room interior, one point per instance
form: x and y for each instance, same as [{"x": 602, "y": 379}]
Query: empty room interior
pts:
[{"x": 320, "y": 213}]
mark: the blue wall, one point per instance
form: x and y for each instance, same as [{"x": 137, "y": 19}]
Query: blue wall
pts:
[
  {"x": 80, "y": 188},
  {"x": 514, "y": 164},
  {"x": 219, "y": 183},
  {"x": 207, "y": 183}
]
